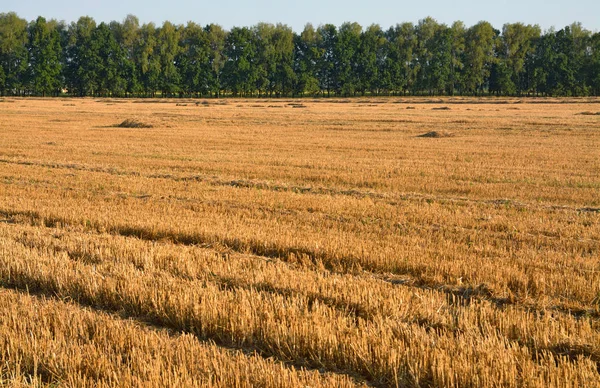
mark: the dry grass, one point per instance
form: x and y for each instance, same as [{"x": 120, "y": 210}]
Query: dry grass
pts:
[
  {"x": 327, "y": 246},
  {"x": 131, "y": 123}
]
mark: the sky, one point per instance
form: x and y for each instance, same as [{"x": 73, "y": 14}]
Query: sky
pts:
[{"x": 386, "y": 13}]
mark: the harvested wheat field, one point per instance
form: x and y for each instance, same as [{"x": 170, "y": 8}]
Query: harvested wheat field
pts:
[{"x": 294, "y": 243}]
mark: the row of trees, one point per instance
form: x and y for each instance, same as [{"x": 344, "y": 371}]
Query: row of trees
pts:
[{"x": 124, "y": 59}]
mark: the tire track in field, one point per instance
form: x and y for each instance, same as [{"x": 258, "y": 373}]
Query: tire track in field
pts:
[
  {"x": 390, "y": 198},
  {"x": 226, "y": 281},
  {"x": 151, "y": 327},
  {"x": 461, "y": 295},
  {"x": 51, "y": 287},
  {"x": 125, "y": 306}
]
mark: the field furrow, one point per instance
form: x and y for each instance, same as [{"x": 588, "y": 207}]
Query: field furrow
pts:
[
  {"x": 46, "y": 341},
  {"x": 520, "y": 279},
  {"x": 201, "y": 306}
]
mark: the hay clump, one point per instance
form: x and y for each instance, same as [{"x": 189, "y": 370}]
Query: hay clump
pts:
[
  {"x": 297, "y": 105},
  {"x": 588, "y": 113},
  {"x": 437, "y": 134},
  {"x": 130, "y": 123},
  {"x": 441, "y": 108}
]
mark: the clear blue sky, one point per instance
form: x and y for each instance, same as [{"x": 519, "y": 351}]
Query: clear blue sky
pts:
[{"x": 546, "y": 13}]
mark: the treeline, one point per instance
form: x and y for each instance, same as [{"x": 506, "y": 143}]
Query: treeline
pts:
[{"x": 428, "y": 58}]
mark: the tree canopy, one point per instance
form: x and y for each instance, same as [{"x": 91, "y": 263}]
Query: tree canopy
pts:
[{"x": 125, "y": 58}]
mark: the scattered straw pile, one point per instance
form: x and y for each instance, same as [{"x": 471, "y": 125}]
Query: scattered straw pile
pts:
[
  {"x": 437, "y": 134},
  {"x": 297, "y": 105},
  {"x": 130, "y": 123}
]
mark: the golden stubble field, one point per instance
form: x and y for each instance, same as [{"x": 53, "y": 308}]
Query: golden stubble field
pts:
[{"x": 293, "y": 243}]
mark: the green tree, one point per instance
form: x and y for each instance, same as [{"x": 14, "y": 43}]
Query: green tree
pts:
[
  {"x": 513, "y": 49},
  {"x": 581, "y": 52},
  {"x": 346, "y": 51},
  {"x": 82, "y": 58},
  {"x": 109, "y": 67},
  {"x": 241, "y": 70},
  {"x": 13, "y": 53},
  {"x": 126, "y": 59},
  {"x": 193, "y": 60},
  {"x": 458, "y": 31},
  {"x": 439, "y": 74},
  {"x": 593, "y": 68},
  {"x": 541, "y": 62},
  {"x": 398, "y": 65},
  {"x": 127, "y": 35},
  {"x": 563, "y": 81},
  {"x": 148, "y": 59},
  {"x": 168, "y": 49},
  {"x": 45, "y": 57},
  {"x": 265, "y": 56},
  {"x": 424, "y": 51},
  {"x": 326, "y": 66},
  {"x": 370, "y": 59},
  {"x": 554, "y": 70},
  {"x": 478, "y": 56},
  {"x": 559, "y": 63},
  {"x": 275, "y": 45},
  {"x": 216, "y": 39},
  {"x": 307, "y": 55}
]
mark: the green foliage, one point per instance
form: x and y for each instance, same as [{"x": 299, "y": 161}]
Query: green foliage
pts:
[
  {"x": 216, "y": 57},
  {"x": 346, "y": 52},
  {"x": 560, "y": 62},
  {"x": 593, "y": 64},
  {"x": 513, "y": 49},
  {"x": 44, "y": 57},
  {"x": 440, "y": 61},
  {"x": 478, "y": 56},
  {"x": 275, "y": 58},
  {"x": 398, "y": 65},
  {"x": 125, "y": 59},
  {"x": 327, "y": 73},
  {"x": 127, "y": 35},
  {"x": 2, "y": 79},
  {"x": 13, "y": 52},
  {"x": 82, "y": 52},
  {"x": 148, "y": 60},
  {"x": 109, "y": 66},
  {"x": 307, "y": 57},
  {"x": 193, "y": 60},
  {"x": 458, "y": 31},
  {"x": 423, "y": 53},
  {"x": 370, "y": 60},
  {"x": 242, "y": 73},
  {"x": 168, "y": 49}
]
